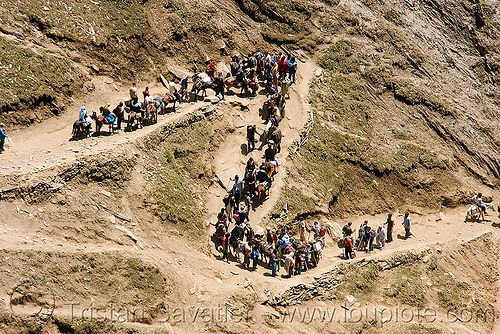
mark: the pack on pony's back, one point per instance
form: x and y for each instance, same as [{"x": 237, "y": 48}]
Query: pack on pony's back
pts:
[{"x": 322, "y": 231}]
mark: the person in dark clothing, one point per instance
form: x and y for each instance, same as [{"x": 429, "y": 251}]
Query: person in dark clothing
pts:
[
  {"x": 242, "y": 79},
  {"x": 118, "y": 112},
  {"x": 219, "y": 85},
  {"x": 234, "y": 65},
  {"x": 370, "y": 233},
  {"x": 270, "y": 153},
  {"x": 251, "y": 131},
  {"x": 235, "y": 194},
  {"x": 275, "y": 262},
  {"x": 390, "y": 226}
]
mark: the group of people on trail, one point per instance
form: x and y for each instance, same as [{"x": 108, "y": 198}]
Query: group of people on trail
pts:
[
  {"x": 367, "y": 235},
  {"x": 301, "y": 254},
  {"x": 246, "y": 70},
  {"x": 273, "y": 249}
]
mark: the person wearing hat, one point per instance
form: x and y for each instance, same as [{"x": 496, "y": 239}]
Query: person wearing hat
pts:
[
  {"x": 133, "y": 91},
  {"x": 316, "y": 230},
  {"x": 3, "y": 135}
]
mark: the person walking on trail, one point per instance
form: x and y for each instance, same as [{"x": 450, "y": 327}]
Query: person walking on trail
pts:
[
  {"x": 251, "y": 131},
  {"x": 292, "y": 69},
  {"x": 255, "y": 257},
  {"x": 316, "y": 230},
  {"x": 118, "y": 112},
  {"x": 348, "y": 231},
  {"x": 3, "y": 136},
  {"x": 302, "y": 229},
  {"x": 225, "y": 247},
  {"x": 173, "y": 90},
  {"x": 269, "y": 153},
  {"x": 219, "y": 85},
  {"x": 348, "y": 248},
  {"x": 390, "y": 226},
  {"x": 275, "y": 262},
  {"x": 184, "y": 84},
  {"x": 145, "y": 93},
  {"x": 381, "y": 236},
  {"x": 269, "y": 236},
  {"x": 133, "y": 91},
  {"x": 370, "y": 233},
  {"x": 407, "y": 225},
  {"x": 238, "y": 182}
]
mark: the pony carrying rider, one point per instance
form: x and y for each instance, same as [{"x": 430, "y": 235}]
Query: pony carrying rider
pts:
[
  {"x": 84, "y": 117},
  {"x": 107, "y": 113}
]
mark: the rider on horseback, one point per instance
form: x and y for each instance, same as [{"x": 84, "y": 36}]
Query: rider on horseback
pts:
[
  {"x": 84, "y": 117},
  {"x": 107, "y": 113}
]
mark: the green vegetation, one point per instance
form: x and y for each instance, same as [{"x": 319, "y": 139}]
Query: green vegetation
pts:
[
  {"x": 362, "y": 280},
  {"x": 112, "y": 170},
  {"x": 177, "y": 165},
  {"x": 95, "y": 275},
  {"x": 26, "y": 76},
  {"x": 407, "y": 287}
]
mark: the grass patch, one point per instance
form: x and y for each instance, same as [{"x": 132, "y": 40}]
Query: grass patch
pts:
[
  {"x": 107, "y": 278},
  {"x": 362, "y": 281},
  {"x": 26, "y": 76},
  {"x": 407, "y": 287},
  {"x": 178, "y": 166},
  {"x": 113, "y": 170}
]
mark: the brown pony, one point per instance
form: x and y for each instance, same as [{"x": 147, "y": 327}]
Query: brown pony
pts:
[
  {"x": 100, "y": 121},
  {"x": 271, "y": 169},
  {"x": 133, "y": 117},
  {"x": 150, "y": 114},
  {"x": 231, "y": 82},
  {"x": 80, "y": 127},
  {"x": 261, "y": 192},
  {"x": 166, "y": 99}
]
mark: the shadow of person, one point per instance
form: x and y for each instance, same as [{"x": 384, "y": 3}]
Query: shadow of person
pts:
[{"x": 244, "y": 149}]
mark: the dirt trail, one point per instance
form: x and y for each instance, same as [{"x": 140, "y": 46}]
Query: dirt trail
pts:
[
  {"x": 230, "y": 159},
  {"x": 212, "y": 279},
  {"x": 49, "y": 144}
]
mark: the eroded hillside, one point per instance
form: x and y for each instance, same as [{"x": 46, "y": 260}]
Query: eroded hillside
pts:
[{"x": 402, "y": 116}]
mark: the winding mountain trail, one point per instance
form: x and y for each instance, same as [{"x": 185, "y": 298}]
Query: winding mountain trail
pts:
[{"x": 200, "y": 271}]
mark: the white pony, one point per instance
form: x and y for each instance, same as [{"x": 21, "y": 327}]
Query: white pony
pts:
[{"x": 474, "y": 211}]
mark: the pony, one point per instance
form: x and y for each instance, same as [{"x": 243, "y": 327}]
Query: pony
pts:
[
  {"x": 276, "y": 138},
  {"x": 249, "y": 182},
  {"x": 199, "y": 84},
  {"x": 133, "y": 117},
  {"x": 166, "y": 99},
  {"x": 219, "y": 233},
  {"x": 150, "y": 114},
  {"x": 262, "y": 192},
  {"x": 474, "y": 212},
  {"x": 100, "y": 121},
  {"x": 80, "y": 128},
  {"x": 231, "y": 82}
]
